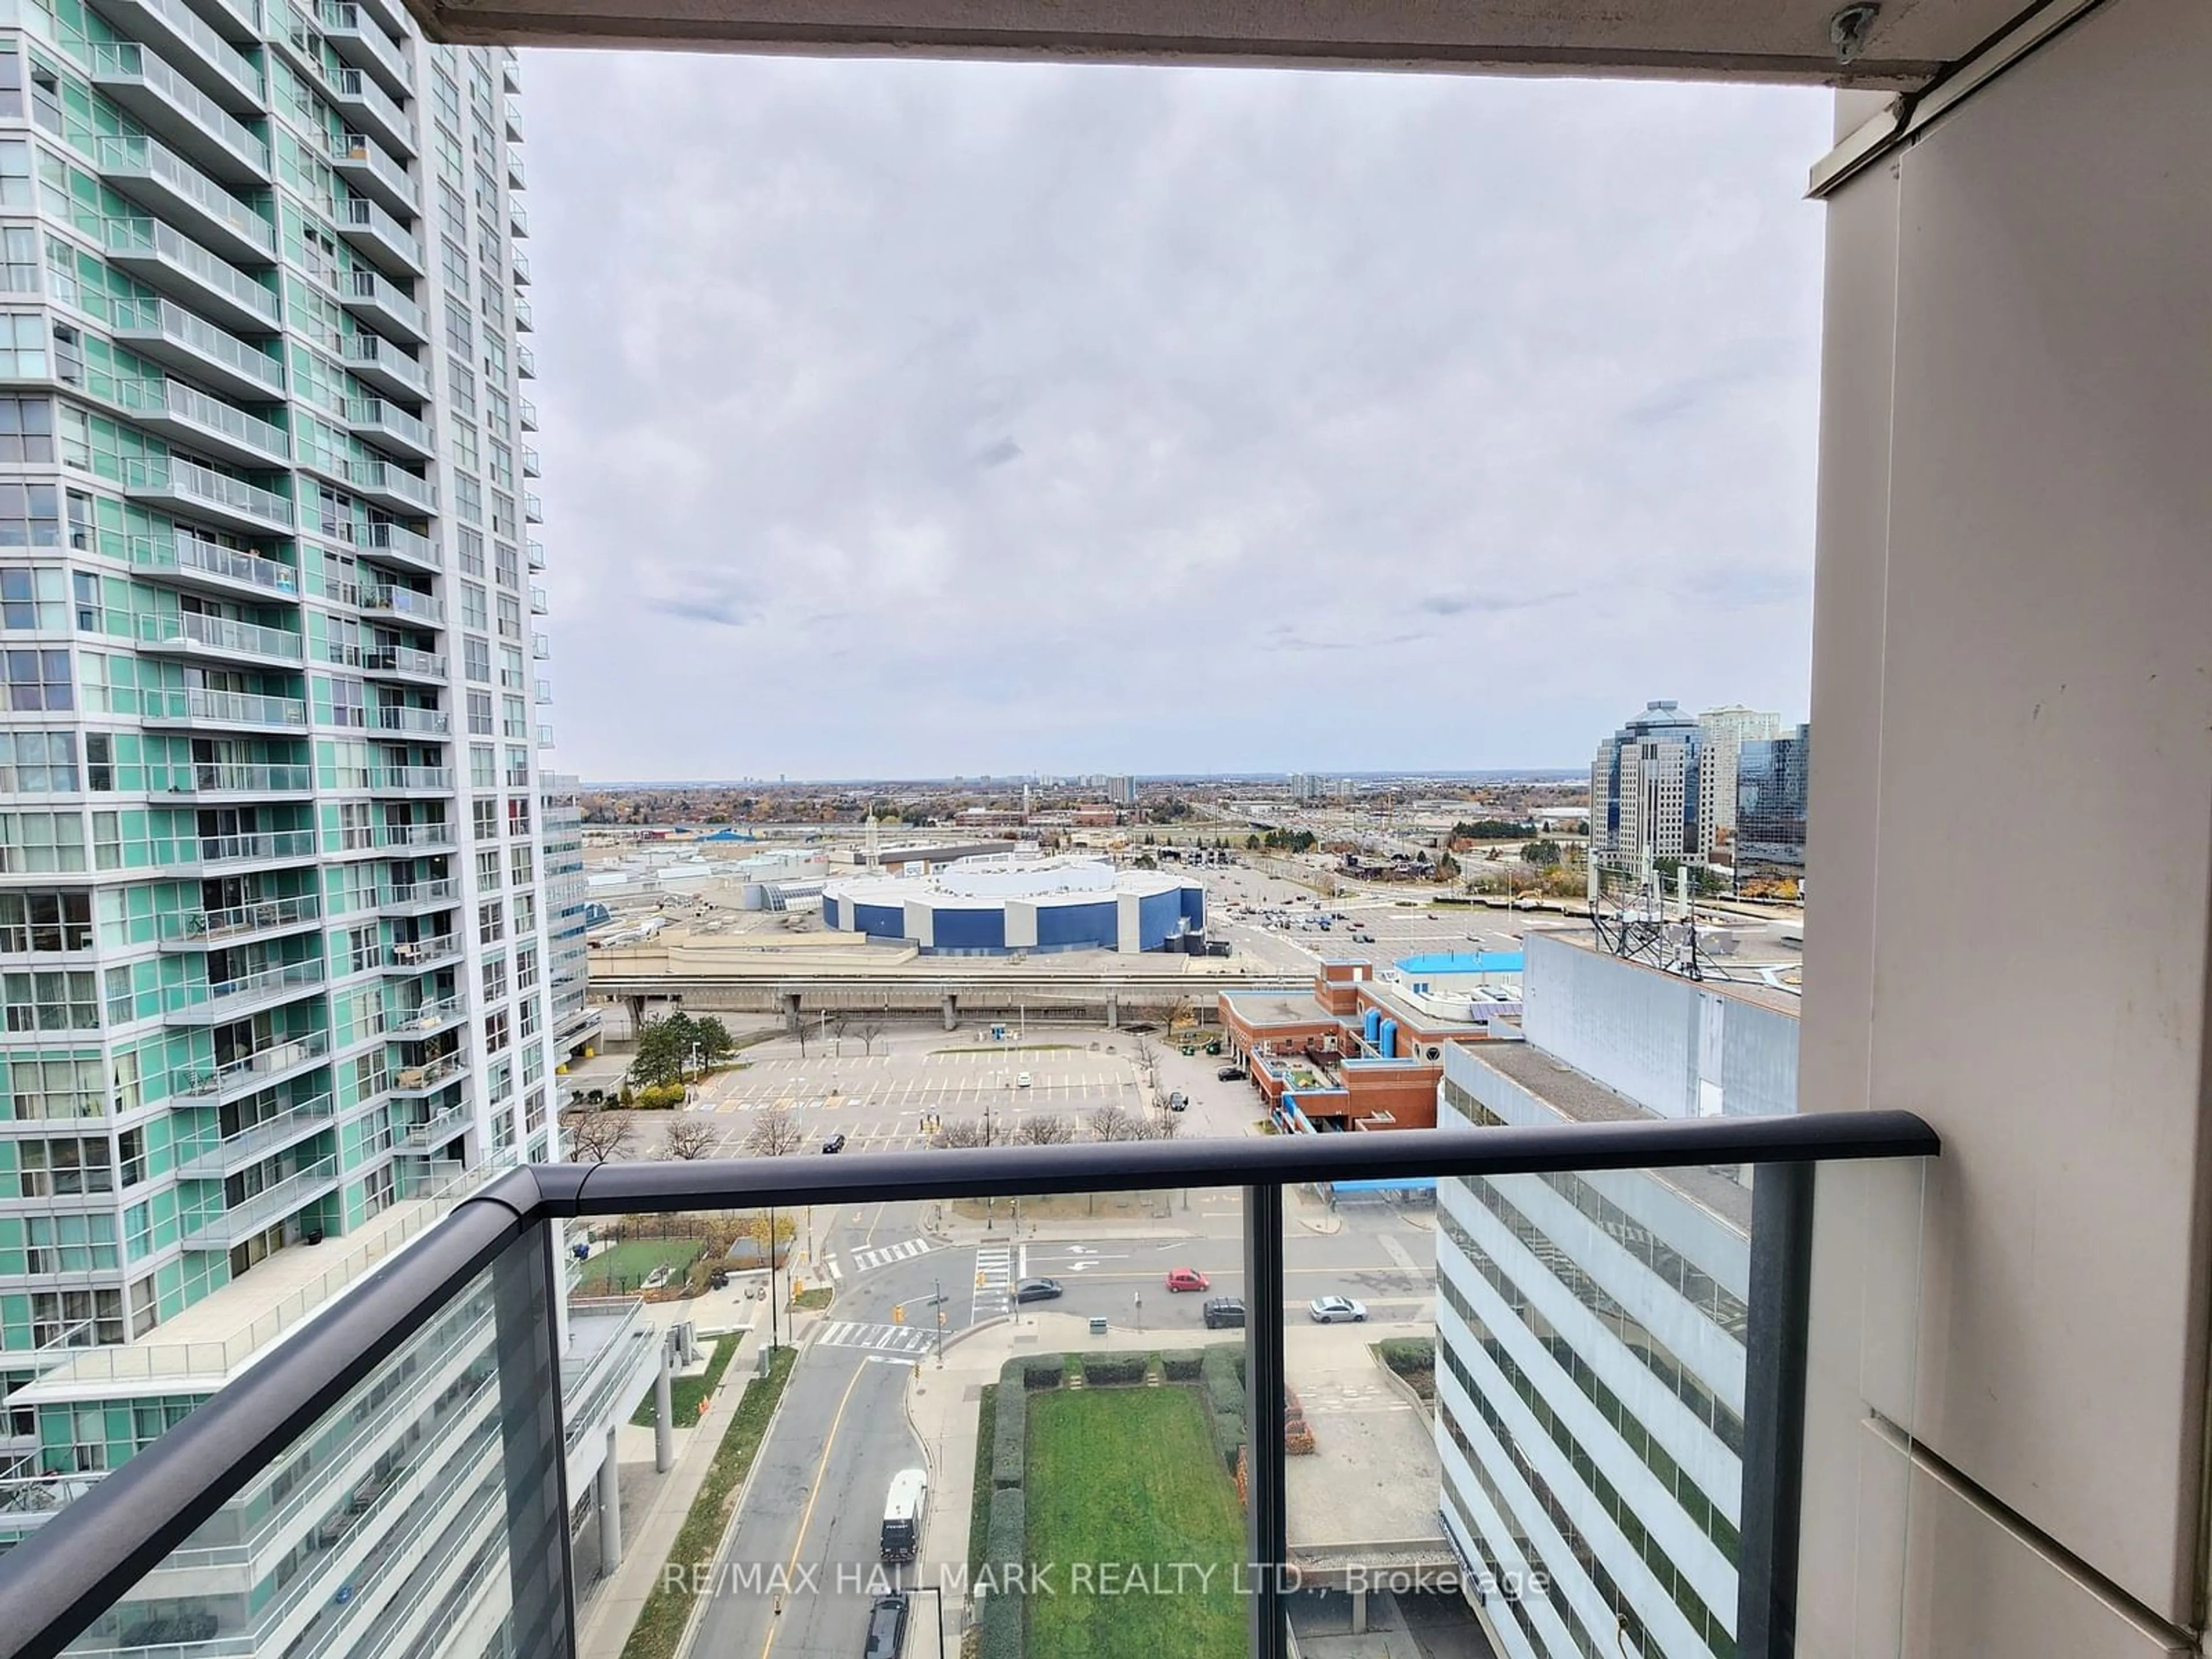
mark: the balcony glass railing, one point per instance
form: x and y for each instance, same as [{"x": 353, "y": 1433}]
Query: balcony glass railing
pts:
[
  {"x": 1575, "y": 1399},
  {"x": 433, "y": 893},
  {"x": 266, "y": 984},
  {"x": 258, "y": 847},
  {"x": 407, "y": 777},
  {"x": 173, "y": 475},
  {"x": 197, "y": 927},
  {"x": 378, "y": 412},
  {"x": 234, "y": 1223},
  {"x": 403, "y": 602},
  {"x": 110, "y": 60},
  {"x": 402, "y": 659},
  {"x": 241, "y": 777},
  {"x": 240, "y": 708},
  {"x": 173, "y": 322},
  {"x": 149, "y": 157},
  {"x": 430, "y": 1074},
  {"x": 240, "y": 639},
  {"x": 422, "y": 722},
  {"x": 152, "y": 237},
  {"x": 374, "y": 351},
  {"x": 367, "y": 285},
  {"x": 252, "y": 1071},
  {"x": 183, "y": 550}
]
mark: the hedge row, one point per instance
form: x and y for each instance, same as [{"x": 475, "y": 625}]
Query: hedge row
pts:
[
  {"x": 1042, "y": 1370},
  {"x": 1101, "y": 1369},
  {"x": 1221, "y": 1374},
  {"x": 1181, "y": 1365},
  {"x": 1009, "y": 1438},
  {"x": 1407, "y": 1354},
  {"x": 1002, "y": 1559}
]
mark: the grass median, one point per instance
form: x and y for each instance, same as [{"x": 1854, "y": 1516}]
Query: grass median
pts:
[
  {"x": 686, "y": 1393},
  {"x": 660, "y": 1622}
]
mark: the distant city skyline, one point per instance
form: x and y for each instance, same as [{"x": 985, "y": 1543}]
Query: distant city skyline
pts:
[{"x": 909, "y": 417}]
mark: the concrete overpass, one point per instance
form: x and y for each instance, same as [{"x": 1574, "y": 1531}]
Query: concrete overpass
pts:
[{"x": 1097, "y": 997}]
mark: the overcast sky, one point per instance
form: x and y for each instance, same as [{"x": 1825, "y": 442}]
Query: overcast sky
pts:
[{"x": 908, "y": 419}]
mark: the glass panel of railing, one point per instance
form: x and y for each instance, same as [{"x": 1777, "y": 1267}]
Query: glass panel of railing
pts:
[
  {"x": 417, "y": 1505},
  {"x": 1554, "y": 1410}
]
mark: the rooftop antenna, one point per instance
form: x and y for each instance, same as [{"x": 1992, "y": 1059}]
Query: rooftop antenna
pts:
[{"x": 873, "y": 860}]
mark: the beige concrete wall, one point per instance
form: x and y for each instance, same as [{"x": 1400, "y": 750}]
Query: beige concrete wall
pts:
[{"x": 2012, "y": 820}]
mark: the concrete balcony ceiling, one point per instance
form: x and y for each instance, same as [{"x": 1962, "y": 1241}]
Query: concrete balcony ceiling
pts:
[{"x": 1908, "y": 45}]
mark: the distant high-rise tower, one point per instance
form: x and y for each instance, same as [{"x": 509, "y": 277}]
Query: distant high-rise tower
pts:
[
  {"x": 1723, "y": 731},
  {"x": 1645, "y": 787},
  {"x": 1772, "y": 781}
]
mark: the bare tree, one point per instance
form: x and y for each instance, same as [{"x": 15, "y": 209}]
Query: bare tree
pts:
[
  {"x": 776, "y": 1130},
  {"x": 838, "y": 1023},
  {"x": 961, "y": 1132},
  {"x": 594, "y": 1137},
  {"x": 687, "y": 1138},
  {"x": 1162, "y": 1125},
  {"x": 1045, "y": 1129},
  {"x": 868, "y": 1032},
  {"x": 1112, "y": 1122},
  {"x": 1146, "y": 1053},
  {"x": 1181, "y": 1012}
]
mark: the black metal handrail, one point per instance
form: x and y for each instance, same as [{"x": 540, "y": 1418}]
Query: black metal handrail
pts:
[{"x": 57, "y": 1583}]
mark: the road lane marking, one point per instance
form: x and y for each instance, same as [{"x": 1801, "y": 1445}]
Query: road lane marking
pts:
[{"x": 806, "y": 1516}]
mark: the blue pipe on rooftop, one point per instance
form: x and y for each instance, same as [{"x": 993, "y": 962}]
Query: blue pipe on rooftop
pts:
[
  {"x": 1374, "y": 1031},
  {"x": 1390, "y": 1039}
]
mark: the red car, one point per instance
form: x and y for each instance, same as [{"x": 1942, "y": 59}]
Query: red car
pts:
[{"x": 1187, "y": 1279}]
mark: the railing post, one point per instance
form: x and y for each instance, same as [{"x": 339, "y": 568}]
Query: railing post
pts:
[
  {"x": 1774, "y": 1408},
  {"x": 533, "y": 1447},
  {"x": 1266, "y": 1526}
]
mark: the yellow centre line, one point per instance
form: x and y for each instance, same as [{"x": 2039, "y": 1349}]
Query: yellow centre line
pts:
[{"x": 798, "y": 1544}]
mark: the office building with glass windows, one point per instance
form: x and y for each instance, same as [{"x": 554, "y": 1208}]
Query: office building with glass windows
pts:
[
  {"x": 274, "y": 895},
  {"x": 1592, "y": 1325}
]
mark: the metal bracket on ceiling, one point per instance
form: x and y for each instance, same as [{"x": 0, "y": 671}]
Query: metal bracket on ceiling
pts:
[
  {"x": 1907, "y": 115},
  {"x": 1849, "y": 28}
]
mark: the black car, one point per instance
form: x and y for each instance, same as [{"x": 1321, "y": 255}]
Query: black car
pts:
[
  {"x": 1038, "y": 1290},
  {"x": 836, "y": 1143},
  {"x": 1228, "y": 1074},
  {"x": 1224, "y": 1313},
  {"x": 886, "y": 1627}
]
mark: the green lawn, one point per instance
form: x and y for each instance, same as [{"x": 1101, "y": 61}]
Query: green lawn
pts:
[
  {"x": 684, "y": 1393},
  {"x": 1129, "y": 1478},
  {"x": 622, "y": 1269}
]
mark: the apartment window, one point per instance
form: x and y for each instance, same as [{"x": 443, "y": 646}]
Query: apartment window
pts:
[
  {"x": 22, "y": 345},
  {"x": 484, "y": 766},
  {"x": 496, "y": 414},
  {"x": 378, "y": 1191},
  {"x": 453, "y": 212},
  {"x": 480, "y": 714},
  {"x": 446, "y": 97},
  {"x": 50, "y": 1090},
  {"x": 30, "y": 515},
  {"x": 487, "y": 869},
  {"x": 525, "y": 970},
  {"x": 510, "y": 615},
  {"x": 33, "y": 599},
  {"x": 491, "y": 922},
  {"x": 19, "y": 259},
  {"x": 456, "y": 259},
  {"x": 57, "y": 1169},
  {"x": 518, "y": 815},
  {"x": 503, "y": 515},
  {"x": 15, "y": 160},
  {"x": 498, "y": 1032},
  {"x": 530, "y": 1018},
  {"x": 469, "y": 544},
  {"x": 517, "y": 768},
  {"x": 460, "y": 327},
  {"x": 38, "y": 843},
  {"x": 518, "y": 863},
  {"x": 50, "y": 1002},
  {"x": 499, "y": 1079},
  {"x": 45, "y": 922},
  {"x": 476, "y": 658},
  {"x": 495, "y": 979},
  {"x": 464, "y": 446},
  {"x": 26, "y": 428},
  {"x": 37, "y": 762},
  {"x": 468, "y": 498},
  {"x": 511, "y": 677},
  {"x": 78, "y": 1319},
  {"x": 34, "y": 680},
  {"x": 494, "y": 357}
]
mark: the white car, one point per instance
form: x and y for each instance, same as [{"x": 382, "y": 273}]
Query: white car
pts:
[
  {"x": 1338, "y": 1310},
  {"x": 1023, "y": 1081}
]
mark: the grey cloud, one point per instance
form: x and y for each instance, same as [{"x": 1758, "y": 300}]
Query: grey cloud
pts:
[{"x": 1349, "y": 351}]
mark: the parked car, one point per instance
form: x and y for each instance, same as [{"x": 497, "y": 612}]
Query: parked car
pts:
[
  {"x": 1038, "y": 1290},
  {"x": 836, "y": 1143},
  {"x": 1224, "y": 1313},
  {"x": 1023, "y": 1081},
  {"x": 887, "y": 1627},
  {"x": 1178, "y": 1101},
  {"x": 1338, "y": 1310},
  {"x": 1187, "y": 1279},
  {"x": 1228, "y": 1074}
]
